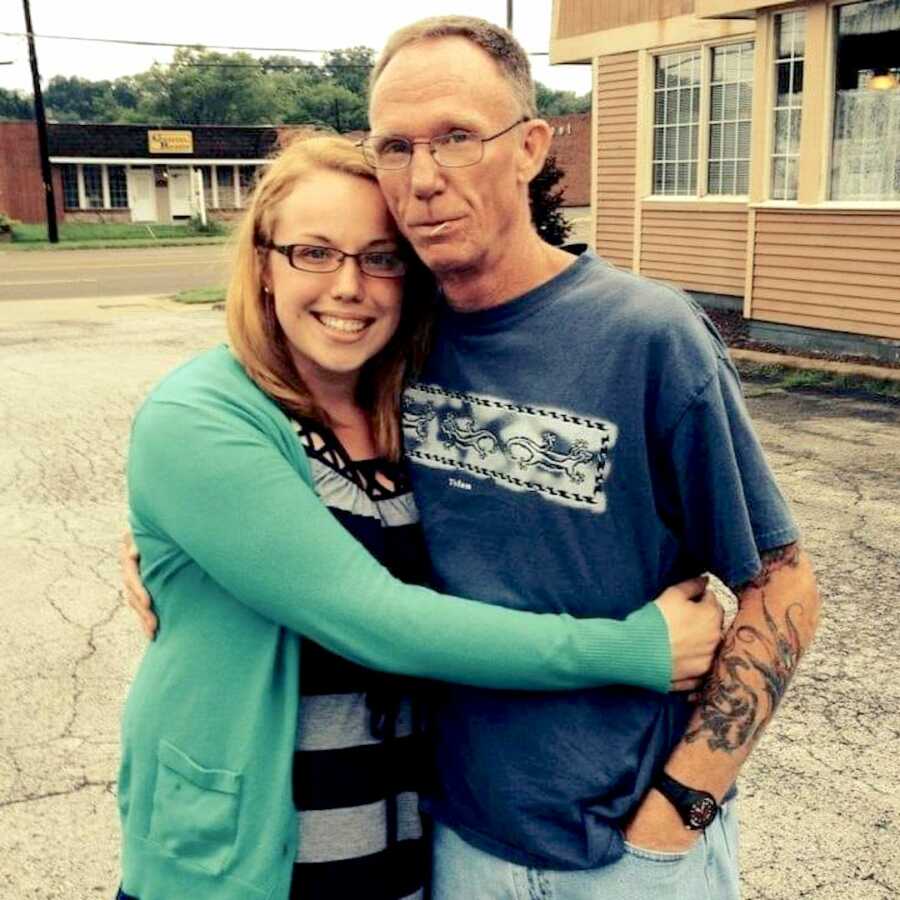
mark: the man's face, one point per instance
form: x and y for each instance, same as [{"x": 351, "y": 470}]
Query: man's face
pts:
[{"x": 456, "y": 219}]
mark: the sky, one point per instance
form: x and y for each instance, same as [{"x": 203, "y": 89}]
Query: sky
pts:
[{"x": 299, "y": 24}]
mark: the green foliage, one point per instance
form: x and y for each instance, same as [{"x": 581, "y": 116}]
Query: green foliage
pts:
[
  {"x": 546, "y": 200},
  {"x": 350, "y": 68},
  {"x": 80, "y": 100},
  {"x": 207, "y": 87},
  {"x": 14, "y": 105},
  {"x": 6, "y": 223},
  {"x": 212, "y": 227},
  {"x": 560, "y": 103}
]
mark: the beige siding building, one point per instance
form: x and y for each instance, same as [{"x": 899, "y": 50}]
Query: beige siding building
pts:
[{"x": 750, "y": 151}]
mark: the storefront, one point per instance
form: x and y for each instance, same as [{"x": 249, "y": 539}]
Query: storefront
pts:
[
  {"x": 135, "y": 173},
  {"x": 750, "y": 150}
]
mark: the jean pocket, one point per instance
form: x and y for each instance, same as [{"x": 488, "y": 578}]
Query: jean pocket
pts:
[
  {"x": 195, "y": 810},
  {"x": 656, "y": 856}
]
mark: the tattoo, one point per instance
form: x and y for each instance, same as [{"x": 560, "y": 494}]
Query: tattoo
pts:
[
  {"x": 733, "y": 713},
  {"x": 772, "y": 561}
]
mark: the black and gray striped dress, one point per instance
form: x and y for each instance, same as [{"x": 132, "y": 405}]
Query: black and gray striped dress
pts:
[{"x": 360, "y": 748}]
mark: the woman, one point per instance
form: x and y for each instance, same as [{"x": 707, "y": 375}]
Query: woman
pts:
[{"x": 240, "y": 463}]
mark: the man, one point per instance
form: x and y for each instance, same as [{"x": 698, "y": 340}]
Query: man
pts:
[
  {"x": 578, "y": 431},
  {"x": 578, "y": 441}
]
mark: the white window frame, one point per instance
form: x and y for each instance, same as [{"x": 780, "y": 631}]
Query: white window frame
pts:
[
  {"x": 772, "y": 100},
  {"x": 706, "y": 51},
  {"x": 830, "y": 109},
  {"x": 107, "y": 189}
]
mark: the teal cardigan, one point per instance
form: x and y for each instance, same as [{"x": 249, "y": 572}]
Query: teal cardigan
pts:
[{"x": 241, "y": 559}]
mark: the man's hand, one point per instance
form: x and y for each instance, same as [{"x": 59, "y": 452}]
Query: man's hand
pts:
[
  {"x": 135, "y": 592},
  {"x": 694, "y": 618},
  {"x": 657, "y": 826}
]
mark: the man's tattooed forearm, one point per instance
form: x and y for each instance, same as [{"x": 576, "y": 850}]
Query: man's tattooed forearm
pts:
[{"x": 731, "y": 711}]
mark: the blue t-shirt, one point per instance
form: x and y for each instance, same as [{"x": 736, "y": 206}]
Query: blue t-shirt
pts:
[{"x": 577, "y": 450}]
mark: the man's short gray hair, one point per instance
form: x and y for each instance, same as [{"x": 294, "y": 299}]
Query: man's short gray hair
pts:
[{"x": 497, "y": 42}]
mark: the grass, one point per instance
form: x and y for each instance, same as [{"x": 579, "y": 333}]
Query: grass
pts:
[
  {"x": 788, "y": 378},
  {"x": 91, "y": 235},
  {"x": 201, "y": 295}
]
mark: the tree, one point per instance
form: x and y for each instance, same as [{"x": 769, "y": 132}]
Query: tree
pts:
[
  {"x": 560, "y": 103},
  {"x": 350, "y": 68},
  {"x": 330, "y": 105},
  {"x": 14, "y": 105},
  {"x": 546, "y": 200},
  {"x": 206, "y": 87},
  {"x": 74, "y": 99}
]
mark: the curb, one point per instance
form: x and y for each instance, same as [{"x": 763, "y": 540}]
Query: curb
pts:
[{"x": 817, "y": 365}]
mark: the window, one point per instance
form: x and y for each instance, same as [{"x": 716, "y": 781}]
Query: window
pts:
[
  {"x": 721, "y": 76},
  {"x": 70, "y": 186},
  {"x": 730, "y": 108},
  {"x": 206, "y": 172},
  {"x": 93, "y": 187},
  {"x": 247, "y": 175},
  {"x": 118, "y": 187},
  {"x": 225, "y": 181},
  {"x": 790, "y": 46},
  {"x": 676, "y": 123},
  {"x": 866, "y": 152}
]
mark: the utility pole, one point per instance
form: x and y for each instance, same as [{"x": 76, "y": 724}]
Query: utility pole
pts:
[
  {"x": 509, "y": 4},
  {"x": 41, "y": 119}
]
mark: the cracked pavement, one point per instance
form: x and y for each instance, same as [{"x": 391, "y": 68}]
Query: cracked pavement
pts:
[{"x": 820, "y": 803}]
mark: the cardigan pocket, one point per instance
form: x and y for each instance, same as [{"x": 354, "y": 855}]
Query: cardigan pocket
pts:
[{"x": 195, "y": 810}]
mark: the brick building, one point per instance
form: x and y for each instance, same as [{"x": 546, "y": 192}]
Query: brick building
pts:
[
  {"x": 572, "y": 148},
  {"x": 133, "y": 173}
]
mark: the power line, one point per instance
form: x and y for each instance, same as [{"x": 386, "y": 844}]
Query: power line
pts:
[{"x": 135, "y": 43}]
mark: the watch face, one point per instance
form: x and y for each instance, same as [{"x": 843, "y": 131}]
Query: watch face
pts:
[{"x": 701, "y": 813}]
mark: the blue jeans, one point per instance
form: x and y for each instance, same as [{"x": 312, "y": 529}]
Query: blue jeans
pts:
[{"x": 708, "y": 871}]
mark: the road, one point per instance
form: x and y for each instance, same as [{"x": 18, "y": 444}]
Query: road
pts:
[
  {"x": 49, "y": 274},
  {"x": 819, "y": 804}
]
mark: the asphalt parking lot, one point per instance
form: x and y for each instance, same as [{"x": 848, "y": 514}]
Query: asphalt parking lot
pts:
[{"x": 820, "y": 802}]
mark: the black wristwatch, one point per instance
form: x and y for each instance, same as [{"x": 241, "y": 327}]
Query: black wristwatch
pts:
[{"x": 697, "y": 809}]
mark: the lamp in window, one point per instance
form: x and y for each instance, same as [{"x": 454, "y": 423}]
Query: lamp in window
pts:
[{"x": 882, "y": 80}]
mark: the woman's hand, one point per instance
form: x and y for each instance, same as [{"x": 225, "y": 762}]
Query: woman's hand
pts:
[
  {"x": 694, "y": 617},
  {"x": 135, "y": 592}
]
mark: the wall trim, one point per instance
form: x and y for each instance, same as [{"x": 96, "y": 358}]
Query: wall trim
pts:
[
  {"x": 152, "y": 161},
  {"x": 644, "y": 36}
]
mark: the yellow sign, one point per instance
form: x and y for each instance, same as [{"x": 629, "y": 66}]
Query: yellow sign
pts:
[{"x": 170, "y": 141}]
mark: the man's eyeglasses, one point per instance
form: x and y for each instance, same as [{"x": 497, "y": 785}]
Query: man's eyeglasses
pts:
[
  {"x": 453, "y": 150},
  {"x": 312, "y": 258}
]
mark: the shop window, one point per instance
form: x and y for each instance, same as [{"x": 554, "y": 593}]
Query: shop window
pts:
[
  {"x": 730, "y": 108},
  {"x": 866, "y": 149},
  {"x": 724, "y": 75},
  {"x": 790, "y": 47},
  {"x": 118, "y": 187},
  {"x": 93, "y": 187},
  {"x": 676, "y": 123},
  {"x": 206, "y": 172},
  {"x": 70, "y": 186},
  {"x": 247, "y": 175},
  {"x": 225, "y": 184}
]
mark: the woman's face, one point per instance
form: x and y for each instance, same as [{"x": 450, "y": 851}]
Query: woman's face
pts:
[{"x": 334, "y": 322}]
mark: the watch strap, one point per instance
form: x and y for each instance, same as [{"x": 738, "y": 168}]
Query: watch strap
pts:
[{"x": 698, "y": 809}]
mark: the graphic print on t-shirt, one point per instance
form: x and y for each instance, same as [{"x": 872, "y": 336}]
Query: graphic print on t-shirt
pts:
[{"x": 561, "y": 455}]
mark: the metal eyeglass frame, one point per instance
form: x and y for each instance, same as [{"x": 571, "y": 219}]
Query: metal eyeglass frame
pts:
[{"x": 369, "y": 155}]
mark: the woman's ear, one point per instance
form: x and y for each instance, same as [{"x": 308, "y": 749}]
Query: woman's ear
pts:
[{"x": 534, "y": 149}]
